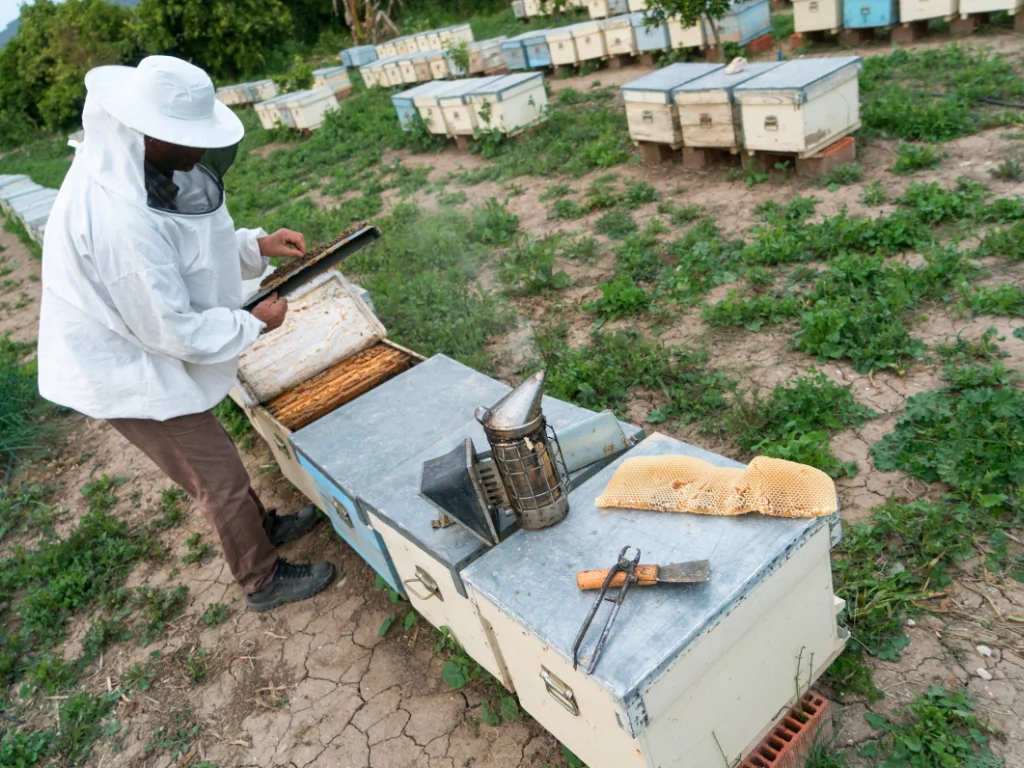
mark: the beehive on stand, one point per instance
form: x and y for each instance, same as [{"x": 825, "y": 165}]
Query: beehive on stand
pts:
[
  {"x": 817, "y": 15},
  {"x": 514, "y": 51},
  {"x": 405, "y": 102},
  {"x": 589, "y": 41},
  {"x": 801, "y": 106},
  {"x": 269, "y": 114},
  {"x": 429, "y": 106},
  {"x": 867, "y": 14},
  {"x": 598, "y": 9},
  {"x": 390, "y": 51},
  {"x": 510, "y": 104},
  {"x": 689, "y": 673},
  {"x": 519, "y": 9},
  {"x": 440, "y": 67},
  {"x": 533, "y": 8},
  {"x": 485, "y": 55},
  {"x": 619, "y": 39},
  {"x": 708, "y": 113},
  {"x": 921, "y": 10},
  {"x": 562, "y": 46},
  {"x": 265, "y": 89},
  {"x": 745, "y": 21},
  {"x": 393, "y": 71},
  {"x": 651, "y": 112},
  {"x": 650, "y": 37},
  {"x": 681, "y": 37},
  {"x": 457, "y": 109},
  {"x": 454, "y": 35},
  {"x": 536, "y": 50},
  {"x": 308, "y": 108},
  {"x": 335, "y": 78}
]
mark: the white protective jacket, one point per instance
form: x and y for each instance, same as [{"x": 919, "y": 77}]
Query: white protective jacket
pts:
[{"x": 140, "y": 310}]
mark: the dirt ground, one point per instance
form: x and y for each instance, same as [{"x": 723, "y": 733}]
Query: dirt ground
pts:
[{"x": 313, "y": 684}]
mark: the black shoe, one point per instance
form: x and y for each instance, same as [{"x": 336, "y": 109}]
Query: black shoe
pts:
[
  {"x": 291, "y": 583},
  {"x": 285, "y": 528}
]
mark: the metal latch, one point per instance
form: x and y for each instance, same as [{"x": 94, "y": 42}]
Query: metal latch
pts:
[
  {"x": 705, "y": 120},
  {"x": 771, "y": 123},
  {"x": 813, "y": 5},
  {"x": 865, "y": 10},
  {"x": 282, "y": 445},
  {"x": 455, "y": 116},
  {"x": 560, "y": 692},
  {"x": 648, "y": 116},
  {"x": 342, "y": 511},
  {"x": 428, "y": 583}
]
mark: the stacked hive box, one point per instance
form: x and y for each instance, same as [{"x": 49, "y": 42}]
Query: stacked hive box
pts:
[
  {"x": 456, "y": 107},
  {"x": 335, "y": 78},
  {"x": 921, "y": 10},
  {"x": 619, "y": 39},
  {"x": 510, "y": 104},
  {"x": 308, "y": 108},
  {"x": 651, "y": 112},
  {"x": 358, "y": 55},
  {"x": 514, "y": 51},
  {"x": 590, "y": 43},
  {"x": 649, "y": 36}
]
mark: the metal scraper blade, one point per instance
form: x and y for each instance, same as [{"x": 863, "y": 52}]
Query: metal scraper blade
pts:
[{"x": 681, "y": 573}]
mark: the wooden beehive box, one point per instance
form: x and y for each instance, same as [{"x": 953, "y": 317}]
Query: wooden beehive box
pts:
[
  {"x": 335, "y": 78},
  {"x": 429, "y": 105},
  {"x": 690, "y": 676},
  {"x": 987, "y": 6},
  {"x": 511, "y": 104},
  {"x": 308, "y": 108},
  {"x": 817, "y": 15},
  {"x": 460, "y": 33},
  {"x": 434, "y": 39},
  {"x": 920, "y": 10},
  {"x": 421, "y": 66},
  {"x": 407, "y": 66},
  {"x": 486, "y": 55},
  {"x": 405, "y": 102},
  {"x": 440, "y": 67},
  {"x": 708, "y": 114},
  {"x": 393, "y": 71},
  {"x": 514, "y": 51},
  {"x": 404, "y": 46},
  {"x": 361, "y": 54},
  {"x": 267, "y": 112},
  {"x": 458, "y": 110},
  {"x": 422, "y": 41},
  {"x": 619, "y": 39},
  {"x": 618, "y": 7},
  {"x": 390, "y": 51},
  {"x": 637, "y": 5},
  {"x": 801, "y": 106},
  {"x": 535, "y": 46},
  {"x": 867, "y": 14},
  {"x": 589, "y": 41},
  {"x": 230, "y": 95},
  {"x": 381, "y": 50},
  {"x": 745, "y": 21},
  {"x": 681, "y": 37},
  {"x": 532, "y": 8},
  {"x": 519, "y": 9},
  {"x": 598, "y": 9},
  {"x": 651, "y": 111},
  {"x": 562, "y": 46},
  {"x": 649, "y": 36},
  {"x": 265, "y": 89}
]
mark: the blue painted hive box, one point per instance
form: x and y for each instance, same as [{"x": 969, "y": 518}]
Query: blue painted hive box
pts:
[
  {"x": 536, "y": 49},
  {"x": 746, "y": 20},
  {"x": 870, "y": 13},
  {"x": 405, "y": 104},
  {"x": 649, "y": 37},
  {"x": 691, "y": 674},
  {"x": 359, "y": 56},
  {"x": 514, "y": 50}
]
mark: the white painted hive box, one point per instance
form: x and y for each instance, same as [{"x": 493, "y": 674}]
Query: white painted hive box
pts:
[
  {"x": 532, "y": 8},
  {"x": 393, "y": 71},
  {"x": 685, "y": 37},
  {"x": 692, "y": 676},
  {"x": 589, "y": 41},
  {"x": 309, "y": 107},
  {"x": 429, "y": 105},
  {"x": 919, "y": 10},
  {"x": 457, "y": 108},
  {"x": 335, "y": 78},
  {"x": 422, "y": 42},
  {"x": 267, "y": 89},
  {"x": 598, "y": 9},
  {"x": 327, "y": 322},
  {"x": 708, "y": 114},
  {"x": 985, "y": 6},
  {"x": 407, "y": 66},
  {"x": 637, "y": 5},
  {"x": 651, "y": 112},
  {"x": 562, "y": 46},
  {"x": 390, "y": 50},
  {"x": 802, "y": 106},
  {"x": 817, "y": 15},
  {"x": 619, "y": 39},
  {"x": 439, "y": 66},
  {"x": 512, "y": 104},
  {"x": 461, "y": 33},
  {"x": 485, "y": 55}
]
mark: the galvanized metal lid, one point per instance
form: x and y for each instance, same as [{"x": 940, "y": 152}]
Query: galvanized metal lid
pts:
[{"x": 518, "y": 412}]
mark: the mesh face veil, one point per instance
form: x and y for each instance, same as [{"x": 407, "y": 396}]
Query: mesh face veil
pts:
[{"x": 201, "y": 190}]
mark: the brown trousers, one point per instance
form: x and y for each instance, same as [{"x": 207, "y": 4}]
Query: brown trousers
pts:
[{"x": 196, "y": 453}]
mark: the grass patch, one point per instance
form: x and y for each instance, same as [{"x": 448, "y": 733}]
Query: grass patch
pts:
[
  {"x": 616, "y": 225},
  {"x": 528, "y": 268},
  {"x": 842, "y": 176},
  {"x": 911, "y": 158},
  {"x": 620, "y": 297},
  {"x": 235, "y": 422},
  {"x": 24, "y": 427}
]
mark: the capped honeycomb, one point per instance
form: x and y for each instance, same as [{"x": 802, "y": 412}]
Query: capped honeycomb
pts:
[{"x": 685, "y": 484}]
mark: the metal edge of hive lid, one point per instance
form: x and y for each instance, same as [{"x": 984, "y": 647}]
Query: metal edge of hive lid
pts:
[
  {"x": 454, "y": 485},
  {"x": 331, "y": 258},
  {"x": 527, "y": 456}
]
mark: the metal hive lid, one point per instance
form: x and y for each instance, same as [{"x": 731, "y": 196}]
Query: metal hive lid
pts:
[{"x": 517, "y": 411}]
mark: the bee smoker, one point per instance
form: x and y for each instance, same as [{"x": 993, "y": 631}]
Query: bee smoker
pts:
[{"x": 527, "y": 456}]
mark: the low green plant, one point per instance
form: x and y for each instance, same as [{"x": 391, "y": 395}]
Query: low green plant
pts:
[
  {"x": 699, "y": 261},
  {"x": 528, "y": 268},
  {"x": 680, "y": 214},
  {"x": 639, "y": 194},
  {"x": 492, "y": 224},
  {"x": 755, "y": 311},
  {"x": 235, "y": 422},
  {"x": 175, "y": 740},
  {"x": 564, "y": 208},
  {"x": 939, "y": 728},
  {"x": 1010, "y": 169},
  {"x": 25, "y": 508},
  {"x": 1006, "y": 241},
  {"x": 620, "y": 297},
  {"x": 25, "y": 429},
  {"x": 911, "y": 158},
  {"x": 196, "y": 666},
  {"x": 156, "y": 607},
  {"x": 842, "y": 176},
  {"x": 580, "y": 249},
  {"x": 616, "y": 225},
  {"x": 171, "y": 511},
  {"x": 555, "y": 191},
  {"x": 198, "y": 550},
  {"x": 214, "y": 615},
  {"x": 1004, "y": 300},
  {"x": 452, "y": 198}
]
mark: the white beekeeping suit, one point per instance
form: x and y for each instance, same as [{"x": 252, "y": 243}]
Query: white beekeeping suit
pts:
[{"x": 141, "y": 309}]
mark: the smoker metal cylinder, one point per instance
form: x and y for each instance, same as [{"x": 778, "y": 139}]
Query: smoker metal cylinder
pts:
[{"x": 527, "y": 456}]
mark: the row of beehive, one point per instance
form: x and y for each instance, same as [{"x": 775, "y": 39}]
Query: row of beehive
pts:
[
  {"x": 421, "y": 42},
  {"x": 504, "y": 103},
  {"x": 28, "y": 202},
  {"x": 305, "y": 110},
  {"x": 361, "y": 462},
  {"x": 832, "y": 15},
  {"x": 799, "y": 106},
  {"x": 412, "y": 68},
  {"x": 334, "y": 78},
  {"x": 598, "y": 9},
  {"x": 631, "y": 34}
]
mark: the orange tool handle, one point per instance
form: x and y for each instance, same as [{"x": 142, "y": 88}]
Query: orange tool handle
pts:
[{"x": 646, "y": 575}]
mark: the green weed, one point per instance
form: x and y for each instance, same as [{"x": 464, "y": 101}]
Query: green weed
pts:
[
  {"x": 640, "y": 256},
  {"x": 24, "y": 429},
  {"x": 639, "y": 194},
  {"x": 100, "y": 493},
  {"x": 176, "y": 740},
  {"x": 783, "y": 25},
  {"x": 843, "y": 175},
  {"x": 565, "y": 208},
  {"x": 620, "y": 297},
  {"x": 156, "y": 607},
  {"x": 196, "y": 665},
  {"x": 234, "y": 420},
  {"x": 1006, "y": 301},
  {"x": 616, "y": 224},
  {"x": 452, "y": 198},
  {"x": 1007, "y": 242},
  {"x": 492, "y": 224},
  {"x": 199, "y": 551},
  {"x": 581, "y": 249},
  {"x": 755, "y": 311},
  {"x": 1008, "y": 170},
  {"x": 215, "y": 615},
  {"x": 24, "y": 508},
  {"x": 528, "y": 268},
  {"x": 555, "y": 191},
  {"x": 701, "y": 260},
  {"x": 680, "y": 214},
  {"x": 171, "y": 500},
  {"x": 911, "y": 158}
]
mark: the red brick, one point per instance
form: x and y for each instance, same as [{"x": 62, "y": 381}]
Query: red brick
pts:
[
  {"x": 789, "y": 743},
  {"x": 836, "y": 154},
  {"x": 760, "y": 44},
  {"x": 655, "y": 154},
  {"x": 856, "y": 36},
  {"x": 908, "y": 33}
]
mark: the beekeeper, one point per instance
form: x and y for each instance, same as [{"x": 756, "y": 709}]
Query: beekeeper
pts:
[{"x": 142, "y": 287}]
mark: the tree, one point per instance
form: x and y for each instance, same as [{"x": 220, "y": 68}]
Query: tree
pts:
[
  {"x": 690, "y": 12},
  {"x": 42, "y": 69},
  {"x": 368, "y": 21},
  {"x": 227, "y": 38}
]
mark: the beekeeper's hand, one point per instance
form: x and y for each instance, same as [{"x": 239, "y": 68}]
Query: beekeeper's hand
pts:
[
  {"x": 284, "y": 243},
  {"x": 271, "y": 311}
]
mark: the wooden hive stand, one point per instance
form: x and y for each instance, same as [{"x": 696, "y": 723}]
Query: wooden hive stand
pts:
[
  {"x": 799, "y": 39},
  {"x": 854, "y": 36},
  {"x": 812, "y": 166},
  {"x": 700, "y": 158},
  {"x": 966, "y": 23},
  {"x": 909, "y": 32},
  {"x": 789, "y": 743},
  {"x": 620, "y": 60}
]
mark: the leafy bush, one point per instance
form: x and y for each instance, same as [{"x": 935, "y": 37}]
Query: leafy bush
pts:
[
  {"x": 873, "y": 194},
  {"x": 620, "y": 297},
  {"x": 753, "y": 312},
  {"x": 492, "y": 224},
  {"x": 911, "y": 158},
  {"x": 639, "y": 194},
  {"x": 529, "y": 267},
  {"x": 1008, "y": 170},
  {"x": 843, "y": 175}
]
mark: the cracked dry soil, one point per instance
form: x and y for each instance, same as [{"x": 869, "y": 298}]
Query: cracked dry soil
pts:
[{"x": 314, "y": 684}]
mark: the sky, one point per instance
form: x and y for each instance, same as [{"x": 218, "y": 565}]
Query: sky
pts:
[{"x": 8, "y": 11}]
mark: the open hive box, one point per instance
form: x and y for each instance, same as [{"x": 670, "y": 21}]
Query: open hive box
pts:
[{"x": 330, "y": 350}]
